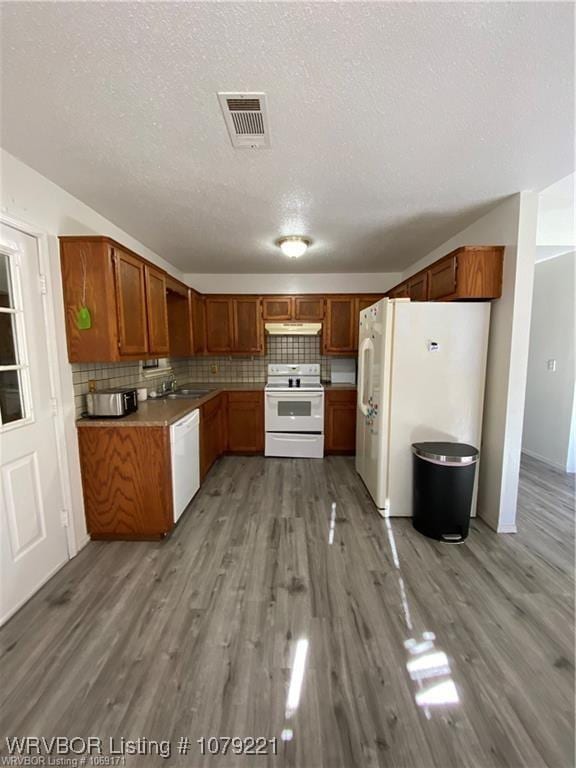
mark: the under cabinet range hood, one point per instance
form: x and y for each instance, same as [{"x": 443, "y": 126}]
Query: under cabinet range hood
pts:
[{"x": 293, "y": 329}]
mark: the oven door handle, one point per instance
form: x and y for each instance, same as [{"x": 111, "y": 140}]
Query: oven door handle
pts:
[{"x": 306, "y": 395}]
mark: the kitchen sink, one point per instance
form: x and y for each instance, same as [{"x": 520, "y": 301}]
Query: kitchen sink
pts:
[{"x": 187, "y": 394}]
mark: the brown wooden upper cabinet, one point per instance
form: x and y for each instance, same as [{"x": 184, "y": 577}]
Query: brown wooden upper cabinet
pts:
[
  {"x": 469, "y": 272},
  {"x": 362, "y": 302},
  {"x": 339, "y": 326},
  {"x": 88, "y": 279},
  {"x": 97, "y": 273},
  {"x": 418, "y": 287},
  {"x": 308, "y": 309},
  {"x": 278, "y": 308},
  {"x": 340, "y": 332},
  {"x": 442, "y": 278},
  {"x": 129, "y": 273},
  {"x": 180, "y": 322},
  {"x": 219, "y": 325},
  {"x": 247, "y": 321},
  {"x": 400, "y": 292},
  {"x": 126, "y": 297},
  {"x": 198, "y": 315},
  {"x": 156, "y": 311},
  {"x": 234, "y": 325},
  {"x": 366, "y": 300},
  {"x": 302, "y": 309}
]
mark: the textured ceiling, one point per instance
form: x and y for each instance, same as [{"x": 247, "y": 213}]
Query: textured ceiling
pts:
[{"x": 393, "y": 125}]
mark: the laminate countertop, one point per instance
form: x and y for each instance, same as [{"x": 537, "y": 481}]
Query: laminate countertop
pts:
[{"x": 162, "y": 412}]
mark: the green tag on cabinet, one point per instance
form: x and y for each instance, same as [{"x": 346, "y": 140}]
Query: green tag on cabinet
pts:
[{"x": 83, "y": 319}]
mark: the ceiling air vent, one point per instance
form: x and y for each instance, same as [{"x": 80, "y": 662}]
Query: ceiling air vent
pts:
[{"x": 246, "y": 119}]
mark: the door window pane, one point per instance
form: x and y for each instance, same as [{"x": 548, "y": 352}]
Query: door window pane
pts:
[
  {"x": 11, "y": 406},
  {"x": 7, "y": 339},
  {"x": 6, "y": 298},
  {"x": 295, "y": 408}
]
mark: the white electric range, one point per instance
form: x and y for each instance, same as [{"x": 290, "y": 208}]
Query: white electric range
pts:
[{"x": 294, "y": 411}]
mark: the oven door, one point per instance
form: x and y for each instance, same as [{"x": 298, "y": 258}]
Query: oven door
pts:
[{"x": 295, "y": 412}]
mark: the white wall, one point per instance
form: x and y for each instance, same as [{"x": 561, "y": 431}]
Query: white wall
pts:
[
  {"x": 27, "y": 196},
  {"x": 571, "y": 461},
  {"x": 512, "y": 224},
  {"x": 313, "y": 283},
  {"x": 550, "y": 394},
  {"x": 556, "y": 223}
]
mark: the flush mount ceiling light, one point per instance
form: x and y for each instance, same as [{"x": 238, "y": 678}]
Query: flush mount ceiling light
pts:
[{"x": 294, "y": 246}]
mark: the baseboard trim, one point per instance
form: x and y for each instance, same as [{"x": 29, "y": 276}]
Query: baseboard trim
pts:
[
  {"x": 507, "y": 528},
  {"x": 81, "y": 544},
  {"x": 22, "y": 603},
  {"x": 544, "y": 460}
]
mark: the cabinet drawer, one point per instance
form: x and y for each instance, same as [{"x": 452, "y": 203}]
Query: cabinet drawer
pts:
[
  {"x": 252, "y": 396},
  {"x": 442, "y": 279},
  {"x": 340, "y": 396}
]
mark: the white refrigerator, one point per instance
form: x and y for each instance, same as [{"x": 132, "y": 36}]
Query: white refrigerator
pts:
[{"x": 421, "y": 373}]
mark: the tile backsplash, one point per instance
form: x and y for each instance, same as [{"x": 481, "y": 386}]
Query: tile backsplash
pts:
[{"x": 279, "y": 349}]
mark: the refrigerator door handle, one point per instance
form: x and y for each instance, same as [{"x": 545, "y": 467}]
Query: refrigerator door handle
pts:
[{"x": 365, "y": 352}]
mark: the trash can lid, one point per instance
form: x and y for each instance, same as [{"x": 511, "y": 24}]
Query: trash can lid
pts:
[{"x": 446, "y": 453}]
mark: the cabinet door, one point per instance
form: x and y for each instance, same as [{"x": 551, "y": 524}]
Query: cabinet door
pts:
[
  {"x": 418, "y": 287},
  {"x": 219, "y": 325},
  {"x": 130, "y": 304},
  {"x": 309, "y": 309},
  {"x": 277, "y": 308},
  {"x": 88, "y": 276},
  {"x": 339, "y": 326},
  {"x": 245, "y": 422},
  {"x": 340, "y": 424},
  {"x": 198, "y": 322},
  {"x": 157, "y": 311},
  {"x": 212, "y": 434},
  {"x": 126, "y": 481},
  {"x": 248, "y": 326},
  {"x": 400, "y": 292},
  {"x": 442, "y": 278},
  {"x": 179, "y": 323},
  {"x": 366, "y": 301},
  {"x": 361, "y": 303}
]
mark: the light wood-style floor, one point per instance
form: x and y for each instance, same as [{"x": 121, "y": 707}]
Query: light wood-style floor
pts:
[{"x": 409, "y": 652}]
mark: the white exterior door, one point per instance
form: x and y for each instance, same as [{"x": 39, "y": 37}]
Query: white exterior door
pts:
[{"x": 33, "y": 542}]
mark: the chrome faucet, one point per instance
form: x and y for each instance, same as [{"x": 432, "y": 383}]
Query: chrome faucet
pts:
[{"x": 168, "y": 385}]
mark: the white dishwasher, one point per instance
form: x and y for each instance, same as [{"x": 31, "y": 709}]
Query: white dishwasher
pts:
[{"x": 185, "y": 453}]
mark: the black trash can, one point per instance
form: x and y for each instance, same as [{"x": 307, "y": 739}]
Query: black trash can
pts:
[{"x": 443, "y": 488}]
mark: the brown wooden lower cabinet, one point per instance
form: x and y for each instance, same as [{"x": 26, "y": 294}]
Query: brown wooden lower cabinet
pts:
[
  {"x": 340, "y": 421},
  {"x": 245, "y": 422},
  {"x": 212, "y": 432},
  {"x": 127, "y": 482}
]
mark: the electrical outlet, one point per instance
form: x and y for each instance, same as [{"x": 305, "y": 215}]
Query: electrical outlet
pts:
[
  {"x": 213, "y": 368},
  {"x": 551, "y": 365}
]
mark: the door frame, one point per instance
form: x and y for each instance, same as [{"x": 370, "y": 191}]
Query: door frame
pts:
[{"x": 54, "y": 377}]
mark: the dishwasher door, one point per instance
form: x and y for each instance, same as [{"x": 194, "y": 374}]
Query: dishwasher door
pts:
[{"x": 185, "y": 451}]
